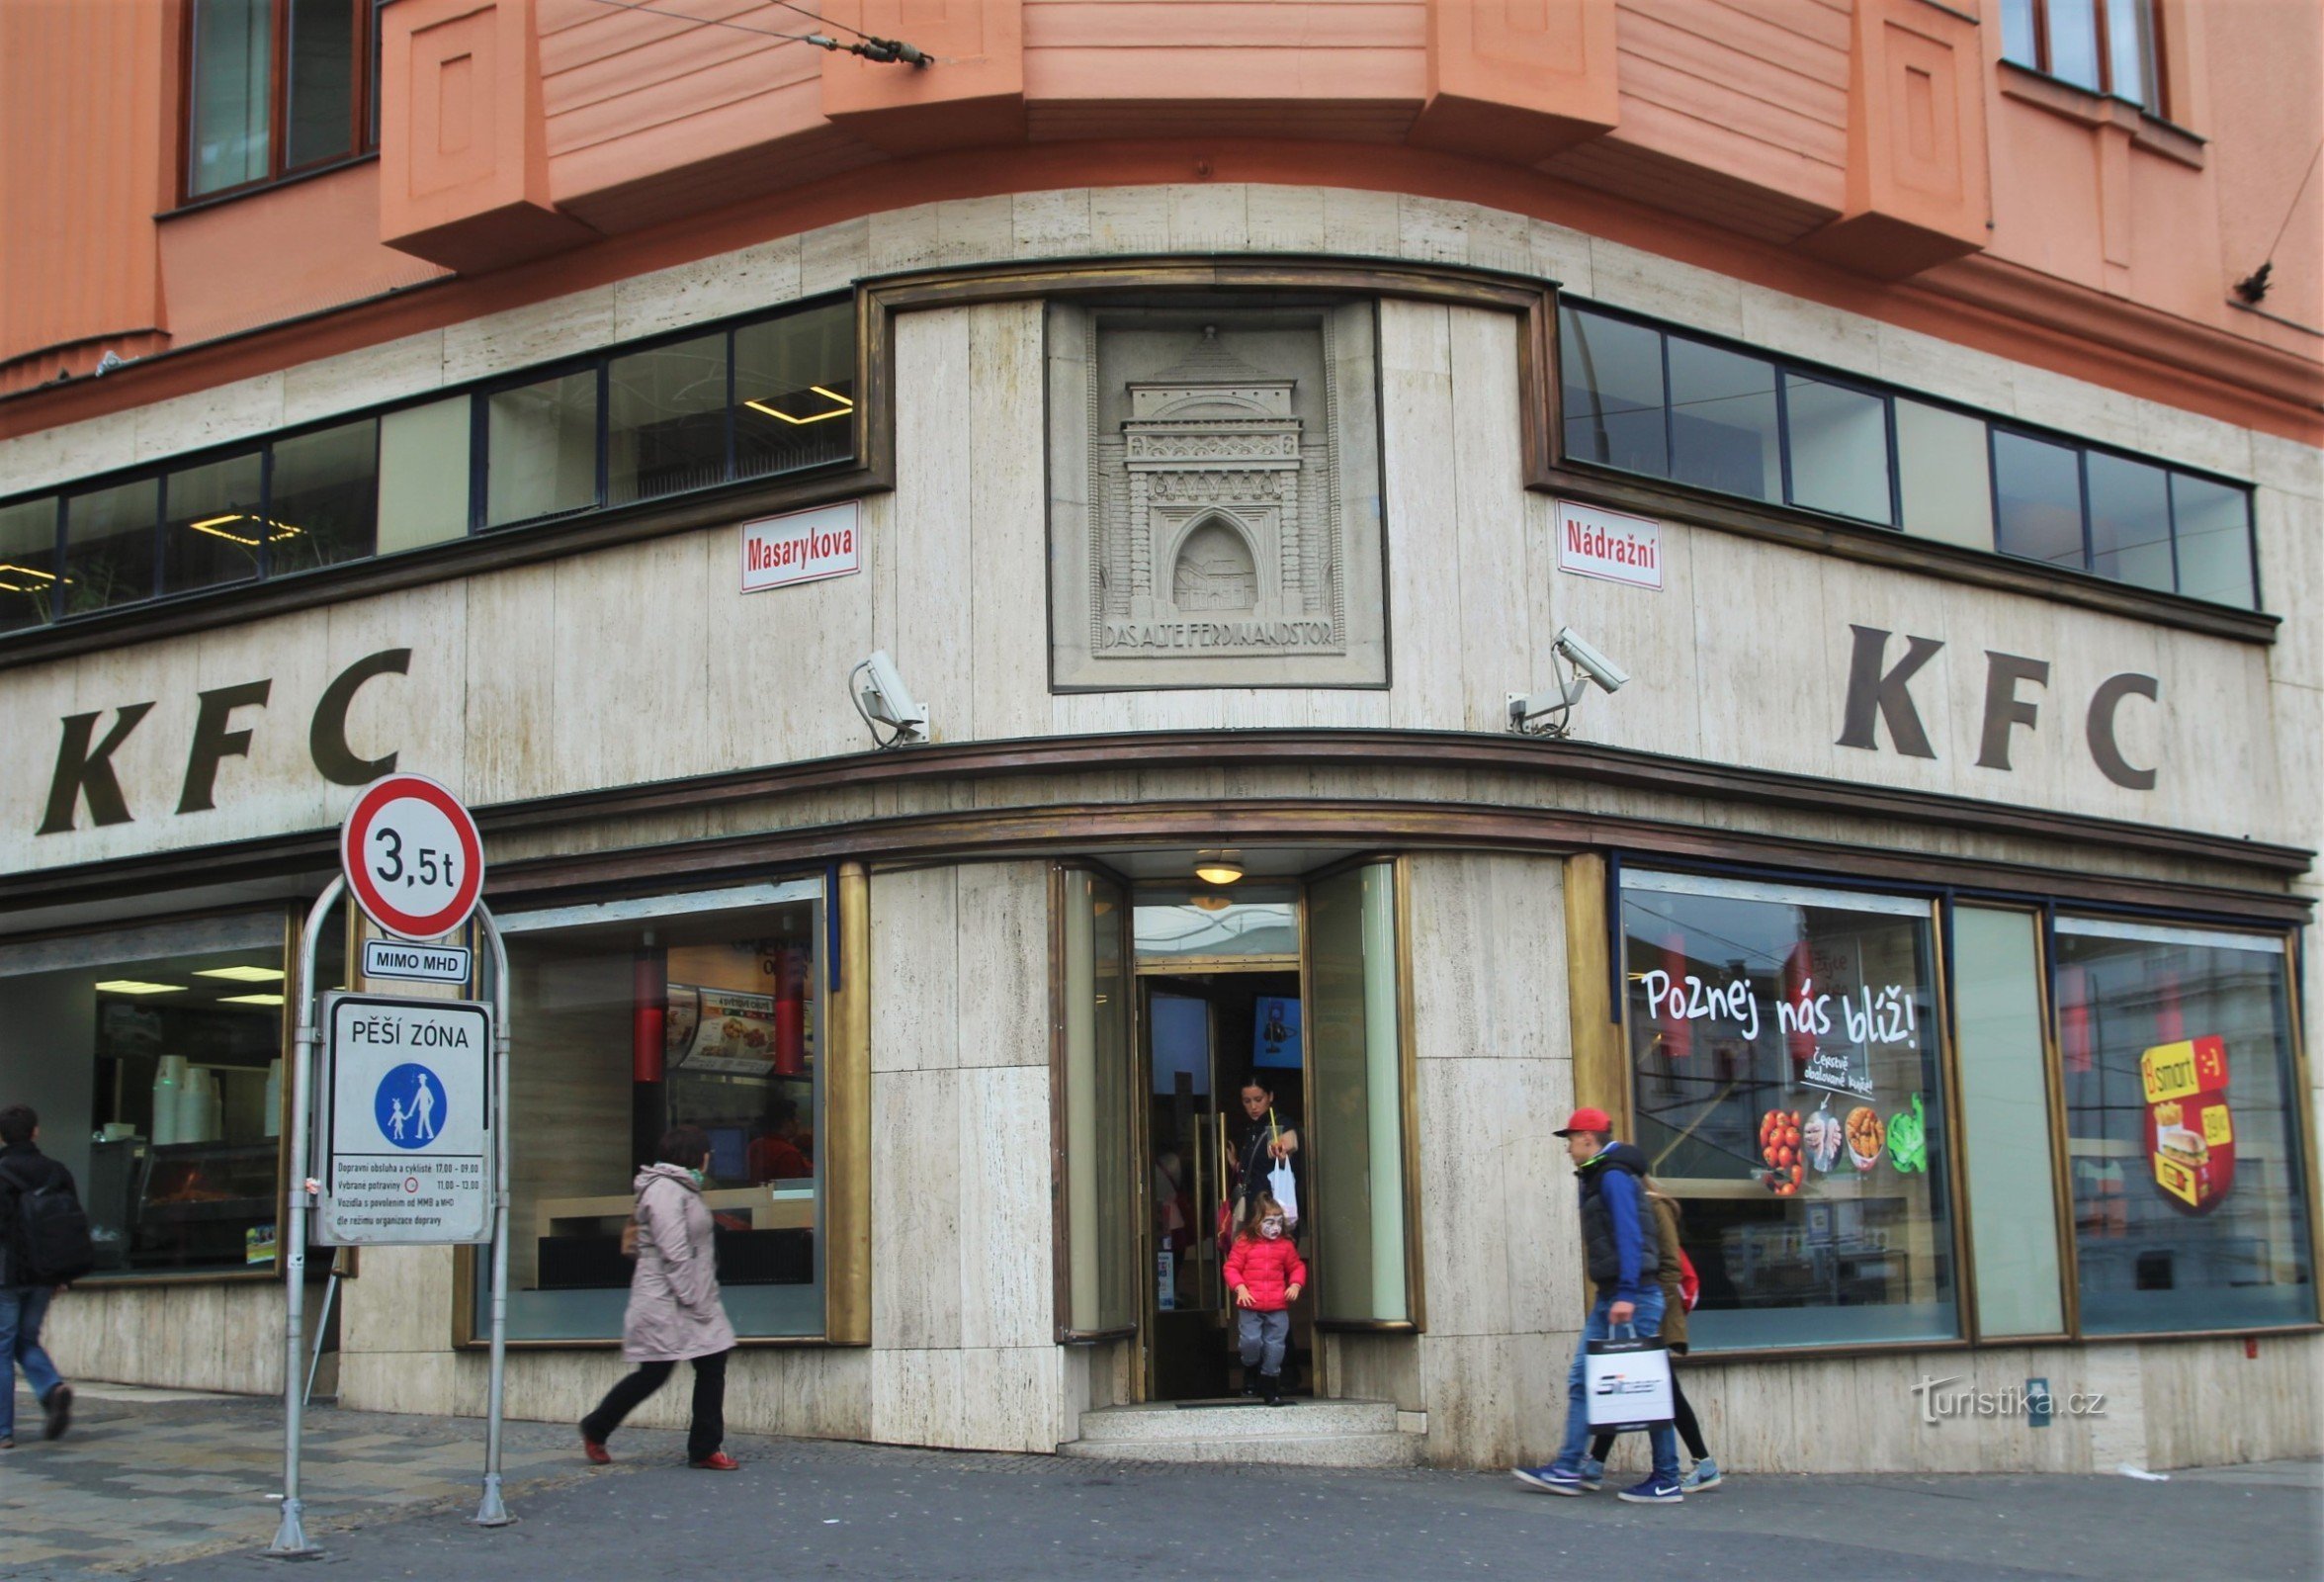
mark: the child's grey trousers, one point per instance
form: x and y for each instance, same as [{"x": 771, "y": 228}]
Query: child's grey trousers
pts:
[{"x": 1263, "y": 1333}]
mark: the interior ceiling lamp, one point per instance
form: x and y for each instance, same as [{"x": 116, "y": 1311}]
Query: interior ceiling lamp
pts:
[
  {"x": 16, "y": 579},
  {"x": 842, "y": 408},
  {"x": 242, "y": 974},
  {"x": 215, "y": 527},
  {"x": 138, "y": 986},
  {"x": 1218, "y": 867},
  {"x": 250, "y": 1000},
  {"x": 1550, "y": 713}
]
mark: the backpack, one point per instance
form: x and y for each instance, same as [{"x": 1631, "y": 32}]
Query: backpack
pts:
[{"x": 51, "y": 1233}]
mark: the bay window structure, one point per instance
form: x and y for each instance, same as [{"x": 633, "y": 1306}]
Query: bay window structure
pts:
[
  {"x": 757, "y": 399},
  {"x": 276, "y": 88},
  {"x": 1643, "y": 399},
  {"x": 629, "y": 1018},
  {"x": 153, "y": 1055}
]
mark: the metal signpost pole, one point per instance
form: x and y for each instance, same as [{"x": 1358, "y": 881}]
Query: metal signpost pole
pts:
[
  {"x": 490, "y": 1511},
  {"x": 291, "y": 1235}
]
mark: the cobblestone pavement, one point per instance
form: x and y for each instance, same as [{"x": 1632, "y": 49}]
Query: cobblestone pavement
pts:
[
  {"x": 172, "y": 1488},
  {"x": 147, "y": 1476}
]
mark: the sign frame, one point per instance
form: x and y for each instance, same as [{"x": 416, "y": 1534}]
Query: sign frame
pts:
[{"x": 379, "y": 813}]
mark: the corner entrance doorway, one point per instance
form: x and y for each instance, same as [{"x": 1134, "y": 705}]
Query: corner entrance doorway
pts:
[{"x": 1202, "y": 1034}]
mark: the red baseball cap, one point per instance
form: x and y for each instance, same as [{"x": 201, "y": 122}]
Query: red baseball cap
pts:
[{"x": 1588, "y": 1119}]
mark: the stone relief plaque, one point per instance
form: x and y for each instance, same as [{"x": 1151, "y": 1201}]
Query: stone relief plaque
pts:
[{"x": 1214, "y": 514}]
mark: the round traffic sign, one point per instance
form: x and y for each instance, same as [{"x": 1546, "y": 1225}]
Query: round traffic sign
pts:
[{"x": 411, "y": 856}]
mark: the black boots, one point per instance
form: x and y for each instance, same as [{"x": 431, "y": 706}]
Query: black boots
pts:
[{"x": 1270, "y": 1388}]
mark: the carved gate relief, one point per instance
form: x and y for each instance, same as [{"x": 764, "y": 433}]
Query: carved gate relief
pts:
[{"x": 1214, "y": 499}]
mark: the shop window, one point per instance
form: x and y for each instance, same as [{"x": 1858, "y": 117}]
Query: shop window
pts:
[
  {"x": 2106, "y": 46},
  {"x": 2008, "y": 1168},
  {"x": 2212, "y": 525},
  {"x": 424, "y": 473},
  {"x": 2129, "y": 521},
  {"x": 666, "y": 431},
  {"x": 214, "y": 523},
  {"x": 627, "y": 1018},
  {"x": 1839, "y": 440},
  {"x": 28, "y": 564},
  {"x": 2183, "y": 1117},
  {"x": 1099, "y": 1280},
  {"x": 154, "y": 1057},
  {"x": 1197, "y": 923},
  {"x": 1787, "y": 1091},
  {"x": 109, "y": 545},
  {"x": 1945, "y": 475},
  {"x": 1356, "y": 1125},
  {"x": 275, "y": 87},
  {"x": 2037, "y": 499},
  {"x": 540, "y": 449},
  {"x": 795, "y": 390},
  {"x": 1723, "y": 432},
  {"x": 1613, "y": 392},
  {"x": 322, "y": 498}
]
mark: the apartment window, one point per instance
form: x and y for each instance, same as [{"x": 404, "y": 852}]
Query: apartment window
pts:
[
  {"x": 1641, "y": 398},
  {"x": 275, "y": 87},
  {"x": 2107, "y": 47}
]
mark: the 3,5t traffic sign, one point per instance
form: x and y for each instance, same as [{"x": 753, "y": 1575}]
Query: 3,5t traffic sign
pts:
[{"x": 411, "y": 856}]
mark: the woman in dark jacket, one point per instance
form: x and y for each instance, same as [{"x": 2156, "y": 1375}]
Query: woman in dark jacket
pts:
[{"x": 674, "y": 1314}]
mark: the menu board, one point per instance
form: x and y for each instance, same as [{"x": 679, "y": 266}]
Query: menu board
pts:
[{"x": 723, "y": 1030}]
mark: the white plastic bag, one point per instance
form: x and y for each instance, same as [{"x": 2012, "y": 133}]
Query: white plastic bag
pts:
[{"x": 1285, "y": 1187}]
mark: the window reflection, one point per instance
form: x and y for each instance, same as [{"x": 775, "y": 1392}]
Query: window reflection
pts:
[
  {"x": 795, "y": 390},
  {"x": 324, "y": 502},
  {"x": 109, "y": 545},
  {"x": 540, "y": 456},
  {"x": 28, "y": 564},
  {"x": 214, "y": 524},
  {"x": 666, "y": 431}
]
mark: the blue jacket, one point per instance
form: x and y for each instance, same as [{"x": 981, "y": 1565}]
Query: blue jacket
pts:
[{"x": 1618, "y": 1237}]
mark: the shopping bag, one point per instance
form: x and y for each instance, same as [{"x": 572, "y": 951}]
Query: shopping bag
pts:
[
  {"x": 1626, "y": 1382},
  {"x": 1285, "y": 1187}
]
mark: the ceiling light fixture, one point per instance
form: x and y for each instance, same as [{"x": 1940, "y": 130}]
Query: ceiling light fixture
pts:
[
  {"x": 1218, "y": 867},
  {"x": 242, "y": 974},
  {"x": 846, "y": 407},
  {"x": 215, "y": 527},
  {"x": 138, "y": 986},
  {"x": 39, "y": 578},
  {"x": 250, "y": 1000}
]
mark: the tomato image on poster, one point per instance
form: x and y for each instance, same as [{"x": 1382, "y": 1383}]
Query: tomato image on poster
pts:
[{"x": 2189, "y": 1132}]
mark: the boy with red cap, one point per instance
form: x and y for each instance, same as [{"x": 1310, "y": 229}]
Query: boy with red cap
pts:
[{"x": 1619, "y": 1243}]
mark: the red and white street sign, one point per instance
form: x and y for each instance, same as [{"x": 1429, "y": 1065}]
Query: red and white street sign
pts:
[{"x": 411, "y": 856}]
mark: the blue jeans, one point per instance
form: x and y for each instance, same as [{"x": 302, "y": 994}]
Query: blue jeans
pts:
[
  {"x": 21, "y": 1307},
  {"x": 1648, "y": 1321}
]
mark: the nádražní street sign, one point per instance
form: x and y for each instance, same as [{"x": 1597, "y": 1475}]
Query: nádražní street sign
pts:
[{"x": 407, "y": 1140}]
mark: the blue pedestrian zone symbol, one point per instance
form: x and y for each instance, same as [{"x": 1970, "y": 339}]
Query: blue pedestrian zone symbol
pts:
[{"x": 411, "y": 1106}]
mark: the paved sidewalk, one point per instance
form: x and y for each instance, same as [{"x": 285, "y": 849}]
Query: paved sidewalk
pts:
[{"x": 173, "y": 1491}]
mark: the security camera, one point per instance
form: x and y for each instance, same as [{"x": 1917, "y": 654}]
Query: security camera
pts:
[
  {"x": 1550, "y": 714},
  {"x": 882, "y": 698},
  {"x": 1605, "y": 671}
]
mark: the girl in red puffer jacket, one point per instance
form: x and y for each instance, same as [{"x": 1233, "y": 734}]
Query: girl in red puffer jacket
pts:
[{"x": 1264, "y": 1272}]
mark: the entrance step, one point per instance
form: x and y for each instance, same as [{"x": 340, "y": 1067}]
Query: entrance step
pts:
[{"x": 1307, "y": 1433}]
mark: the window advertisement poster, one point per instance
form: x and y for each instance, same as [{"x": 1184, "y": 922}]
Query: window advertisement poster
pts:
[
  {"x": 2189, "y": 1133},
  {"x": 729, "y": 1032}
]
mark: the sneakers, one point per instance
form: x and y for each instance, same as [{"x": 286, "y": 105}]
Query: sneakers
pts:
[
  {"x": 1549, "y": 1479},
  {"x": 1651, "y": 1492},
  {"x": 1704, "y": 1475},
  {"x": 716, "y": 1461},
  {"x": 595, "y": 1450},
  {"x": 59, "y": 1409}
]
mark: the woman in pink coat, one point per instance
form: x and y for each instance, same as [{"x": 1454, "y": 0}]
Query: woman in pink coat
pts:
[{"x": 674, "y": 1315}]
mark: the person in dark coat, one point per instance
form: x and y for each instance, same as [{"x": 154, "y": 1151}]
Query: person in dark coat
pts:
[
  {"x": 23, "y": 1301},
  {"x": 1619, "y": 1243},
  {"x": 1674, "y": 1276}
]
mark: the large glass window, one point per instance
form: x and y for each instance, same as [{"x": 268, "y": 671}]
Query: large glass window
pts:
[
  {"x": 668, "y": 429},
  {"x": 1785, "y": 1052},
  {"x": 630, "y": 1017},
  {"x": 154, "y": 1057},
  {"x": 424, "y": 474},
  {"x": 1866, "y": 452},
  {"x": 2009, "y": 1168},
  {"x": 109, "y": 545},
  {"x": 214, "y": 523},
  {"x": 1100, "y": 1107},
  {"x": 540, "y": 449},
  {"x": 1355, "y": 1031},
  {"x": 795, "y": 390},
  {"x": 2182, "y": 1128},
  {"x": 276, "y": 86},
  {"x": 323, "y": 500},
  {"x": 28, "y": 564}
]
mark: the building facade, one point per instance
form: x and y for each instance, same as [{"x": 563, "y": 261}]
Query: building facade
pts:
[{"x": 1226, "y": 418}]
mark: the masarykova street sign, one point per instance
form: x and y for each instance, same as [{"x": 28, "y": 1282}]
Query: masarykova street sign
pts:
[{"x": 406, "y": 1138}]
